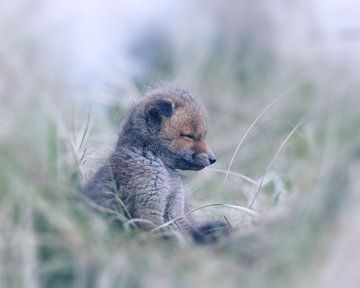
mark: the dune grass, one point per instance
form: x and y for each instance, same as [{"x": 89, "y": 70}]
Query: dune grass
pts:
[{"x": 285, "y": 179}]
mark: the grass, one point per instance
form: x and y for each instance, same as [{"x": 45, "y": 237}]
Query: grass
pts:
[{"x": 288, "y": 186}]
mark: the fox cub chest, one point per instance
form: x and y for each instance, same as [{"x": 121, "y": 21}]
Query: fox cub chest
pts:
[{"x": 146, "y": 186}]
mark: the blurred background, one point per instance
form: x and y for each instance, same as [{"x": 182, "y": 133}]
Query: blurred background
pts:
[{"x": 280, "y": 82}]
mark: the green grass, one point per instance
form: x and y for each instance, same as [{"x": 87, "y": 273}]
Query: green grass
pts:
[{"x": 296, "y": 168}]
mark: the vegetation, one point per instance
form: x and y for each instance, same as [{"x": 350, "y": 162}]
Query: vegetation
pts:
[{"x": 284, "y": 128}]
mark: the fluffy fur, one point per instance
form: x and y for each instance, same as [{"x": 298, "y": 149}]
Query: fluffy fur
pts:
[{"x": 162, "y": 133}]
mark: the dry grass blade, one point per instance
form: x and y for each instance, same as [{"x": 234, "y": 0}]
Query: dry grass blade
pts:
[
  {"x": 246, "y": 134},
  {"x": 85, "y": 133},
  {"x": 76, "y": 159},
  {"x": 100, "y": 208},
  {"x": 242, "y": 176},
  {"x": 241, "y": 208},
  {"x": 131, "y": 223},
  {"x": 122, "y": 205},
  {"x": 273, "y": 160}
]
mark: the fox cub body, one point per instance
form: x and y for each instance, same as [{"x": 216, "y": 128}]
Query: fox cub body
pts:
[{"x": 162, "y": 133}]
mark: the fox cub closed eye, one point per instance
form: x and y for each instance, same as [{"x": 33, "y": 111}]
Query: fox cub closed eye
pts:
[{"x": 188, "y": 135}]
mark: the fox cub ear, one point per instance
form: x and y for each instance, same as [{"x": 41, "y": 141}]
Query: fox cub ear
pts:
[{"x": 157, "y": 110}]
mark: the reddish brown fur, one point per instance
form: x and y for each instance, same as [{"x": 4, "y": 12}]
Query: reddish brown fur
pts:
[
  {"x": 188, "y": 119},
  {"x": 163, "y": 133}
]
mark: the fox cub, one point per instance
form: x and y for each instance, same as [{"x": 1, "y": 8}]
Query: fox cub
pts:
[{"x": 162, "y": 133}]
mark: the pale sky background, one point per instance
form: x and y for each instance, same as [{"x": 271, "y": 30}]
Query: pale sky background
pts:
[{"x": 86, "y": 37}]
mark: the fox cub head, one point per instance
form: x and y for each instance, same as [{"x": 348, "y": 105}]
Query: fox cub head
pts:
[{"x": 170, "y": 124}]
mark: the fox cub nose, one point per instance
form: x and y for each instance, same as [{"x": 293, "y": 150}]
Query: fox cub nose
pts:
[{"x": 212, "y": 159}]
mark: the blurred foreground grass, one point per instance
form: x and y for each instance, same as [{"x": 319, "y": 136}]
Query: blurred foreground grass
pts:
[{"x": 307, "y": 230}]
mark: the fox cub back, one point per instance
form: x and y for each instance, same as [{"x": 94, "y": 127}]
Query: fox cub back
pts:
[{"x": 163, "y": 133}]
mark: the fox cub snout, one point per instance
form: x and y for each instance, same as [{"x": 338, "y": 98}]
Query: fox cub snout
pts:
[{"x": 173, "y": 127}]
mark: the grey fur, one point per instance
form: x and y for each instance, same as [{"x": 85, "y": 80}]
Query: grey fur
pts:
[{"x": 141, "y": 173}]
